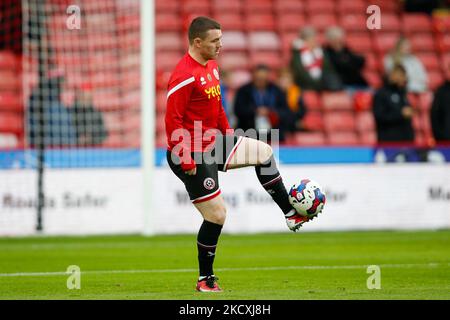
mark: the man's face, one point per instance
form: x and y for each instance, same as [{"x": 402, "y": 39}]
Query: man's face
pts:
[
  {"x": 398, "y": 77},
  {"x": 261, "y": 78},
  {"x": 210, "y": 46}
]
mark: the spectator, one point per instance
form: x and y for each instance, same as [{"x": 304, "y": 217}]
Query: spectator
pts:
[
  {"x": 224, "y": 91},
  {"x": 401, "y": 54},
  {"x": 391, "y": 109},
  {"x": 89, "y": 125},
  {"x": 440, "y": 111},
  {"x": 49, "y": 122},
  {"x": 261, "y": 104},
  {"x": 293, "y": 97},
  {"x": 311, "y": 69},
  {"x": 348, "y": 65}
]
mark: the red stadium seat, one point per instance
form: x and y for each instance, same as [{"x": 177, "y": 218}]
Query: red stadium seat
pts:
[
  {"x": 435, "y": 79},
  {"x": 337, "y": 101},
  {"x": 443, "y": 42},
  {"x": 290, "y": 22},
  {"x": 319, "y": 6},
  {"x": 283, "y": 7},
  {"x": 270, "y": 58},
  {"x": 312, "y": 100},
  {"x": 107, "y": 100},
  {"x": 373, "y": 79},
  {"x": 385, "y": 41},
  {"x": 239, "y": 78},
  {"x": 390, "y": 22},
  {"x": 441, "y": 23},
  {"x": 365, "y": 121},
  {"x": 422, "y": 42},
  {"x": 259, "y": 6},
  {"x": 161, "y": 140},
  {"x": 372, "y": 63},
  {"x": 359, "y": 42},
  {"x": 343, "y": 138},
  {"x": 234, "y": 60},
  {"x": 263, "y": 41},
  {"x": 167, "y": 61},
  {"x": 229, "y": 6},
  {"x": 354, "y": 6},
  {"x": 309, "y": 138},
  {"x": 368, "y": 138},
  {"x": 339, "y": 121},
  {"x": 168, "y": 22},
  {"x": 8, "y": 60},
  {"x": 362, "y": 100},
  {"x": 169, "y": 41},
  {"x": 198, "y": 7},
  {"x": 353, "y": 22},
  {"x": 259, "y": 22},
  {"x": 166, "y": 6},
  {"x": 234, "y": 40},
  {"x": 416, "y": 23},
  {"x": 10, "y": 101},
  {"x": 430, "y": 60},
  {"x": 313, "y": 121},
  {"x": 230, "y": 21},
  {"x": 11, "y": 122},
  {"x": 322, "y": 21},
  {"x": 8, "y": 141},
  {"x": 161, "y": 99},
  {"x": 387, "y": 6},
  {"x": 9, "y": 80}
]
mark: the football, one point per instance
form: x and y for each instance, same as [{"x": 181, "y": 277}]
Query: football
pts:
[{"x": 307, "y": 198}]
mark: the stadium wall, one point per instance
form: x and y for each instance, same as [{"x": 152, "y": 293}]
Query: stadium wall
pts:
[{"x": 359, "y": 197}]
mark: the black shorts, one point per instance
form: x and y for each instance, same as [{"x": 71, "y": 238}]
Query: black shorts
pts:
[{"x": 204, "y": 185}]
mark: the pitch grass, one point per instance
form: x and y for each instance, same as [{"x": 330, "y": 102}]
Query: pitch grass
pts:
[{"x": 414, "y": 265}]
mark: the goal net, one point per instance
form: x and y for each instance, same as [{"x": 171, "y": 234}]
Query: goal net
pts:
[{"x": 70, "y": 98}]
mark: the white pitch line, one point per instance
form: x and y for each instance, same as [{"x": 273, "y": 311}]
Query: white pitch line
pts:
[{"x": 61, "y": 273}]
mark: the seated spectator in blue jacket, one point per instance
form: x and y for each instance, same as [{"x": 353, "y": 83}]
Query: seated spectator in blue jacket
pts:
[
  {"x": 440, "y": 111},
  {"x": 392, "y": 110},
  {"x": 49, "y": 121},
  {"x": 262, "y": 105}
]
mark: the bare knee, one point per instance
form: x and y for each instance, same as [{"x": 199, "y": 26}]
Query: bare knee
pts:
[
  {"x": 265, "y": 152},
  {"x": 217, "y": 215}
]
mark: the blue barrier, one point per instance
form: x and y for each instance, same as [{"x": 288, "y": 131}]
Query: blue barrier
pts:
[{"x": 131, "y": 158}]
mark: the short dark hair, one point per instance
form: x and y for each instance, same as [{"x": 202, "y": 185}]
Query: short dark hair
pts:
[
  {"x": 200, "y": 26},
  {"x": 261, "y": 67},
  {"x": 398, "y": 67}
]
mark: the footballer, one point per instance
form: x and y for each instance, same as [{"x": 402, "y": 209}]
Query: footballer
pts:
[{"x": 201, "y": 142}]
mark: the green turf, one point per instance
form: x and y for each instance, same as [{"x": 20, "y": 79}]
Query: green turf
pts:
[{"x": 414, "y": 265}]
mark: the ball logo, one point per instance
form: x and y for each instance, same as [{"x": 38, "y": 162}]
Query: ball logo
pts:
[
  {"x": 209, "y": 183},
  {"x": 216, "y": 74}
]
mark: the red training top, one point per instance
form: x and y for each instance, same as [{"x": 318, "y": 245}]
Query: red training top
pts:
[{"x": 194, "y": 100}]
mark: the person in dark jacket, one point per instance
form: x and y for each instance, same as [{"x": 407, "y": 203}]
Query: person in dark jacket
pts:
[
  {"x": 347, "y": 64},
  {"x": 392, "y": 110},
  {"x": 440, "y": 111},
  {"x": 311, "y": 68},
  {"x": 88, "y": 121},
  {"x": 262, "y": 105}
]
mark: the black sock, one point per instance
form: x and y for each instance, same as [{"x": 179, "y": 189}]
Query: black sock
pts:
[
  {"x": 270, "y": 178},
  {"x": 207, "y": 238}
]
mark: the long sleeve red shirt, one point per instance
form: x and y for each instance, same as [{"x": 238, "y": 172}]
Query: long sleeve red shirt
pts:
[{"x": 194, "y": 107}]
